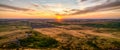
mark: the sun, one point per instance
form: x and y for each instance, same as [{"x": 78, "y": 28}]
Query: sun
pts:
[{"x": 59, "y": 18}]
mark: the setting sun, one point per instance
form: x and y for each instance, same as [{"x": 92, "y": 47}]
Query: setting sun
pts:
[{"x": 59, "y": 18}]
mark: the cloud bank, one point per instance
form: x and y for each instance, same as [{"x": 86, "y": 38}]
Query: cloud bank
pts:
[{"x": 106, "y": 5}]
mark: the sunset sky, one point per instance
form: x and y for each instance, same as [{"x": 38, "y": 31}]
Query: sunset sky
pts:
[{"x": 83, "y": 9}]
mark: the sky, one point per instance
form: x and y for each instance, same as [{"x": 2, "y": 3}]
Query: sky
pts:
[{"x": 80, "y": 9}]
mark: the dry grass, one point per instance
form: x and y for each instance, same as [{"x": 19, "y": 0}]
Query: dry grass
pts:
[
  {"x": 72, "y": 37},
  {"x": 12, "y": 35}
]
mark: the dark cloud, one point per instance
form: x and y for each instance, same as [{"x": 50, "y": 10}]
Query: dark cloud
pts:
[
  {"x": 80, "y": 12},
  {"x": 14, "y": 8},
  {"x": 88, "y": 0},
  {"x": 74, "y": 10},
  {"x": 105, "y": 6},
  {"x": 112, "y": 8}
]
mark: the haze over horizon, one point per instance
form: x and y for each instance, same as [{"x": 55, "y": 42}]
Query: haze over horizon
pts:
[{"x": 67, "y": 9}]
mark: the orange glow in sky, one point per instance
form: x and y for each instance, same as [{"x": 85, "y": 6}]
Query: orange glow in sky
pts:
[{"x": 79, "y": 9}]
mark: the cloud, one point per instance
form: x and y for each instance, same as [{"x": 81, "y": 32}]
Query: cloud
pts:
[
  {"x": 81, "y": 0},
  {"x": 3, "y": 10},
  {"x": 14, "y": 8},
  {"x": 107, "y": 5},
  {"x": 35, "y": 5}
]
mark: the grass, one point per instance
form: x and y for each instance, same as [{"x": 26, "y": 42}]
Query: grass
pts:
[
  {"x": 92, "y": 43},
  {"x": 10, "y": 26},
  {"x": 115, "y": 25},
  {"x": 4, "y": 28},
  {"x": 58, "y": 24},
  {"x": 107, "y": 30},
  {"x": 1, "y": 37},
  {"x": 38, "y": 40},
  {"x": 35, "y": 40},
  {"x": 75, "y": 27}
]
